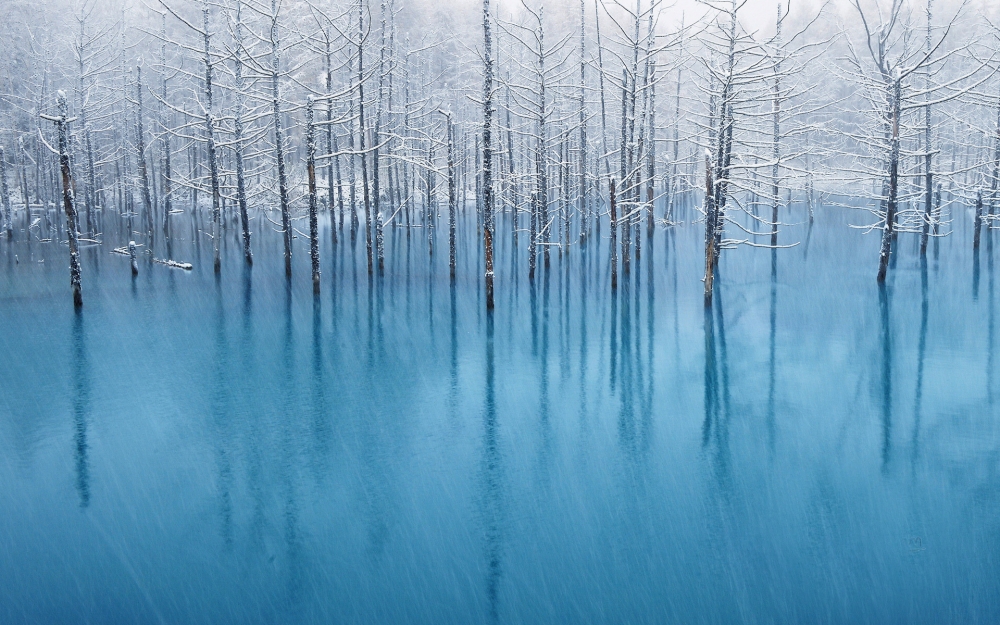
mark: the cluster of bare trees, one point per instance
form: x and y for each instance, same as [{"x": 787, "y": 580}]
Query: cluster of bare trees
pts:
[{"x": 185, "y": 118}]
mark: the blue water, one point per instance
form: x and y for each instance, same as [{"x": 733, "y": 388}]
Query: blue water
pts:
[{"x": 199, "y": 449}]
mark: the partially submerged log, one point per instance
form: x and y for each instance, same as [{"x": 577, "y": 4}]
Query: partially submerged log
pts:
[
  {"x": 125, "y": 251},
  {"x": 174, "y": 264}
]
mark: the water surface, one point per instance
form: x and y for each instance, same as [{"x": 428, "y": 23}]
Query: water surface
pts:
[{"x": 193, "y": 448}]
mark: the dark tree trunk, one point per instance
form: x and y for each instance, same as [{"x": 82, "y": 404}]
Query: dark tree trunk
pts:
[
  {"x": 311, "y": 170},
  {"x": 890, "y": 213},
  {"x": 62, "y": 126},
  {"x": 614, "y": 234}
]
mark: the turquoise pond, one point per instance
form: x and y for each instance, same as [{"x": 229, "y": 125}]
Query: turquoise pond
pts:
[{"x": 193, "y": 448}]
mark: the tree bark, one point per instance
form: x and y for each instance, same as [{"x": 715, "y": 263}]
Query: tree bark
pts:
[
  {"x": 279, "y": 150},
  {"x": 62, "y": 127},
  {"x": 614, "y": 234},
  {"x": 311, "y": 171},
  {"x": 5, "y": 193},
  {"x": 488, "y": 153},
  {"x": 710, "y": 226},
  {"x": 890, "y": 213}
]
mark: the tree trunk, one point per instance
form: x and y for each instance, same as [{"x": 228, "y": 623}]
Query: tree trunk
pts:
[
  {"x": 62, "y": 126},
  {"x": 928, "y": 174},
  {"x": 977, "y": 220},
  {"x": 361, "y": 124},
  {"x": 614, "y": 234},
  {"x": 330, "y": 146},
  {"x": 279, "y": 150},
  {"x": 451, "y": 199},
  {"x": 488, "y": 153},
  {"x": 241, "y": 193},
  {"x": 140, "y": 149},
  {"x": 352, "y": 174},
  {"x": 376, "y": 165},
  {"x": 710, "y": 226},
  {"x": 210, "y": 136},
  {"x": 890, "y": 213},
  {"x": 584, "y": 216},
  {"x": 311, "y": 171},
  {"x": 542, "y": 156},
  {"x": 5, "y": 193}
]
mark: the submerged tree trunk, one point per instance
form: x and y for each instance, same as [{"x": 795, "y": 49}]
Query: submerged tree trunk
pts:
[
  {"x": 140, "y": 150},
  {"x": 452, "y": 196},
  {"x": 62, "y": 126},
  {"x": 533, "y": 236},
  {"x": 710, "y": 226},
  {"x": 23, "y": 180},
  {"x": 614, "y": 234},
  {"x": 928, "y": 174},
  {"x": 279, "y": 150},
  {"x": 340, "y": 190},
  {"x": 515, "y": 188},
  {"x": 890, "y": 212},
  {"x": 376, "y": 165},
  {"x": 352, "y": 181},
  {"x": 131, "y": 258},
  {"x": 361, "y": 135},
  {"x": 626, "y": 189},
  {"x": 651, "y": 157},
  {"x": 541, "y": 158},
  {"x": 91, "y": 181},
  {"x": 488, "y": 153},
  {"x": 210, "y": 138},
  {"x": 5, "y": 193},
  {"x": 241, "y": 193},
  {"x": 995, "y": 178},
  {"x": 977, "y": 220},
  {"x": 776, "y": 136},
  {"x": 165, "y": 182},
  {"x": 584, "y": 216},
  {"x": 430, "y": 209},
  {"x": 330, "y": 146},
  {"x": 166, "y": 188},
  {"x": 311, "y": 171}
]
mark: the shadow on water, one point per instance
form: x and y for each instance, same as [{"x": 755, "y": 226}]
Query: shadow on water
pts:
[{"x": 81, "y": 406}]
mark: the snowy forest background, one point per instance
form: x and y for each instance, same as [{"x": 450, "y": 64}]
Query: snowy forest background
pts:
[{"x": 295, "y": 108}]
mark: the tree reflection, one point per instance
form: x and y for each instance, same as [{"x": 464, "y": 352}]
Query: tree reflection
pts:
[
  {"x": 886, "y": 343},
  {"x": 492, "y": 482},
  {"x": 771, "y": 347},
  {"x": 921, "y": 352},
  {"x": 80, "y": 368},
  {"x": 715, "y": 427}
]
